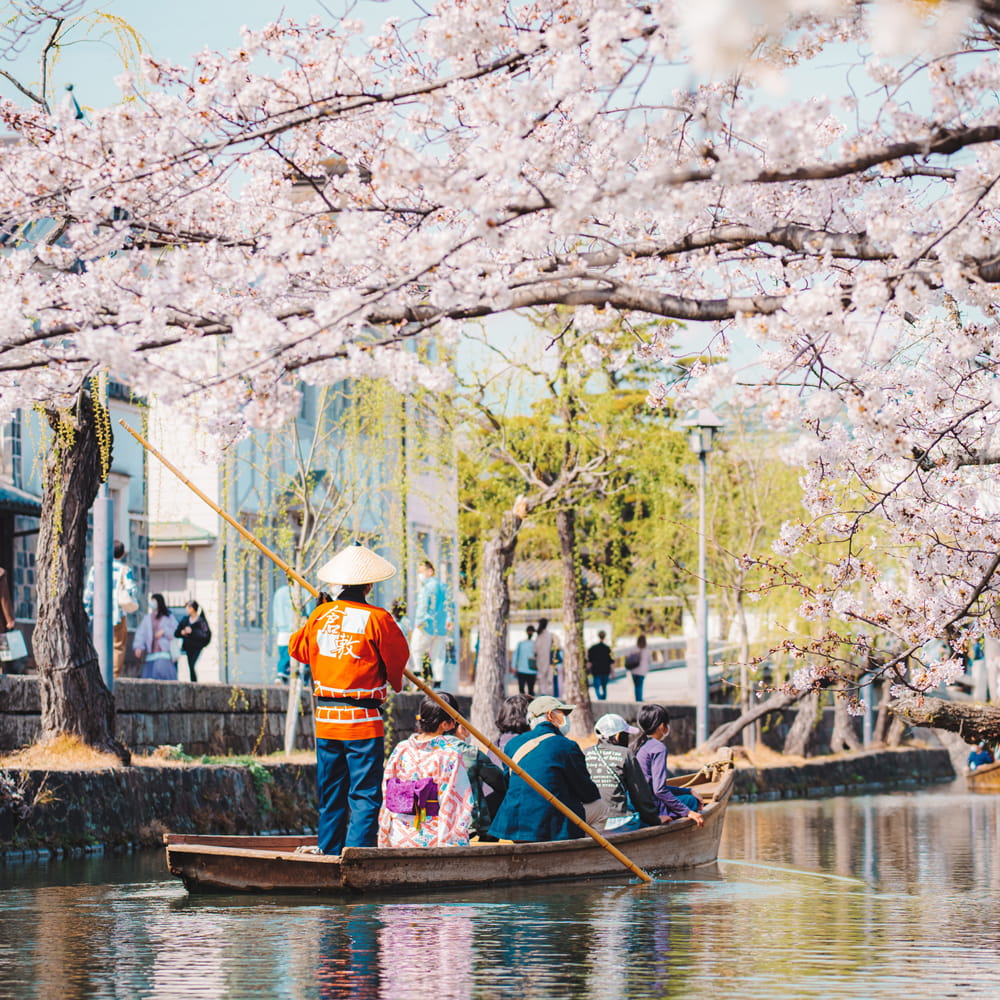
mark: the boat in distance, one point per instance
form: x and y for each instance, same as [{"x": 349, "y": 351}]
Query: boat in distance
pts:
[
  {"x": 985, "y": 778},
  {"x": 207, "y": 863}
]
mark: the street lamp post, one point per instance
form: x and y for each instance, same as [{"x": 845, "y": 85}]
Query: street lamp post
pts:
[{"x": 701, "y": 435}]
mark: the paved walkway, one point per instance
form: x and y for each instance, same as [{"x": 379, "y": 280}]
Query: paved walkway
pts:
[{"x": 671, "y": 686}]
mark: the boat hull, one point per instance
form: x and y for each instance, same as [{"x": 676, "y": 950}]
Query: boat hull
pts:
[{"x": 270, "y": 864}]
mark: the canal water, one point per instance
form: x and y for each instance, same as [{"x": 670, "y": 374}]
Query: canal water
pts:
[{"x": 886, "y": 896}]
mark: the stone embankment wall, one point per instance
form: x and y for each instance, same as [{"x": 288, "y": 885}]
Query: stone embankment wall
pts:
[
  {"x": 856, "y": 773},
  {"x": 126, "y": 807},
  {"x": 202, "y": 718}
]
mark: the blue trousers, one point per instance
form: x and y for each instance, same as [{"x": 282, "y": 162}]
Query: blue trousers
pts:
[
  {"x": 637, "y": 682},
  {"x": 349, "y": 780},
  {"x": 284, "y": 662},
  {"x": 601, "y": 687},
  {"x": 686, "y": 797}
]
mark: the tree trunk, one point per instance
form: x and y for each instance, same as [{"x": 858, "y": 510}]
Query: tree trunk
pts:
[
  {"x": 885, "y": 727},
  {"x": 844, "y": 736},
  {"x": 972, "y": 721},
  {"x": 797, "y": 740},
  {"x": 494, "y": 611},
  {"x": 577, "y": 693},
  {"x": 880, "y": 730},
  {"x": 727, "y": 733},
  {"x": 743, "y": 657},
  {"x": 74, "y": 697},
  {"x": 896, "y": 730}
]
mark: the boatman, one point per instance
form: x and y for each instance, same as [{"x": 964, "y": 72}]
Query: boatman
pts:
[{"x": 356, "y": 651}]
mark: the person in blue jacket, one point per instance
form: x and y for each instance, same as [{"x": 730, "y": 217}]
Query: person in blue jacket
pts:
[
  {"x": 432, "y": 622},
  {"x": 558, "y": 765},
  {"x": 980, "y": 755}
]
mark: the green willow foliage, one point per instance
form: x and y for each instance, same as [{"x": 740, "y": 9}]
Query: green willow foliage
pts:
[
  {"x": 337, "y": 474},
  {"x": 567, "y": 412}
]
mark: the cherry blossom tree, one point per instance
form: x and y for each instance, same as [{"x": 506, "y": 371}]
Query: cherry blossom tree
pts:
[{"x": 307, "y": 204}]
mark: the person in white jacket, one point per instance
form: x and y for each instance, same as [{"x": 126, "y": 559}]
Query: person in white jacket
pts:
[{"x": 546, "y": 645}]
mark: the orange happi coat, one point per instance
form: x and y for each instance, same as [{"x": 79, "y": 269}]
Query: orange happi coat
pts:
[{"x": 355, "y": 651}]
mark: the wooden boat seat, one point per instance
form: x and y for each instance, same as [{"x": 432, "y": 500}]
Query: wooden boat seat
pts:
[{"x": 706, "y": 791}]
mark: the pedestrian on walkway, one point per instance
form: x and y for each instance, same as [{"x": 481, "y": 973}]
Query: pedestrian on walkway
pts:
[
  {"x": 523, "y": 664},
  {"x": 152, "y": 641},
  {"x": 599, "y": 661},
  {"x": 124, "y": 602},
  {"x": 432, "y": 621},
  {"x": 545, "y": 644},
  {"x": 194, "y": 634},
  {"x": 637, "y": 663}
]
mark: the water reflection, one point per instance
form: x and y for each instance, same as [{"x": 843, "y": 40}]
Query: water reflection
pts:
[{"x": 865, "y": 897}]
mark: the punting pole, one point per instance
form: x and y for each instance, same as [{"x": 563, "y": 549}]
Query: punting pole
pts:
[{"x": 412, "y": 678}]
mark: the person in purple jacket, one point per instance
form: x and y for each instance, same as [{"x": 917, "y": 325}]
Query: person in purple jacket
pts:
[{"x": 648, "y": 747}]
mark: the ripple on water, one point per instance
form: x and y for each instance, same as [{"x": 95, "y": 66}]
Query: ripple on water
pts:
[{"x": 887, "y": 897}]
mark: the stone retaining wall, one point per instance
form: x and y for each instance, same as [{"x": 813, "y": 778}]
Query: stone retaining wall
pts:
[
  {"x": 203, "y": 718},
  {"x": 241, "y": 719},
  {"x": 134, "y": 806},
  {"x": 857, "y": 773}
]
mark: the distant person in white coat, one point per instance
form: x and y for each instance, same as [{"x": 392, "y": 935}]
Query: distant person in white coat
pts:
[{"x": 546, "y": 645}]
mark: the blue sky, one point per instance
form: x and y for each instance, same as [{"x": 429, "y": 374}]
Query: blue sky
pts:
[{"x": 174, "y": 30}]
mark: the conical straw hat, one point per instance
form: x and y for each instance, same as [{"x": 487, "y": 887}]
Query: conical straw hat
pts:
[{"x": 356, "y": 564}]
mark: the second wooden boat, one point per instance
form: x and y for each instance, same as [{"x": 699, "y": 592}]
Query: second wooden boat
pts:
[{"x": 985, "y": 778}]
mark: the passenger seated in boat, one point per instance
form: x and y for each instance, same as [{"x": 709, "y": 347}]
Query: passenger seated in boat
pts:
[
  {"x": 673, "y": 803},
  {"x": 617, "y": 774},
  {"x": 426, "y": 792},
  {"x": 511, "y": 720},
  {"x": 487, "y": 780},
  {"x": 558, "y": 765},
  {"x": 980, "y": 755}
]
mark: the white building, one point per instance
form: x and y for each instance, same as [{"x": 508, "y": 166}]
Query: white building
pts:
[{"x": 349, "y": 468}]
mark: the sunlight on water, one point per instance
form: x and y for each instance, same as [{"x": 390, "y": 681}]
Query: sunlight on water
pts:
[{"x": 880, "y": 897}]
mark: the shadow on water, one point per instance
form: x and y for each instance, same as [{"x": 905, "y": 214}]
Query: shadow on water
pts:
[{"x": 865, "y": 897}]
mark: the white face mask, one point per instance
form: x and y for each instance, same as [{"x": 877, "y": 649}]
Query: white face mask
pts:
[{"x": 564, "y": 728}]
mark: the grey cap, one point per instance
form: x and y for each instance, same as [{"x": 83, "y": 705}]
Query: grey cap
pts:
[{"x": 545, "y": 704}]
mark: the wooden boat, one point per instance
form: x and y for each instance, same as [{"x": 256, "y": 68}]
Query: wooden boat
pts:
[
  {"x": 985, "y": 778},
  {"x": 271, "y": 864}
]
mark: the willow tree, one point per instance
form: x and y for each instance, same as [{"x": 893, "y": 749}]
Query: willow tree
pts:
[
  {"x": 535, "y": 481},
  {"x": 335, "y": 474},
  {"x": 74, "y": 697},
  {"x": 556, "y": 444}
]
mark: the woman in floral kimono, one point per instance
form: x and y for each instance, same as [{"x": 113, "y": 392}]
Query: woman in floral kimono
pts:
[{"x": 439, "y": 814}]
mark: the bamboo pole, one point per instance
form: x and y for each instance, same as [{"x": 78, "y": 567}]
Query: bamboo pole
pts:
[{"x": 412, "y": 678}]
